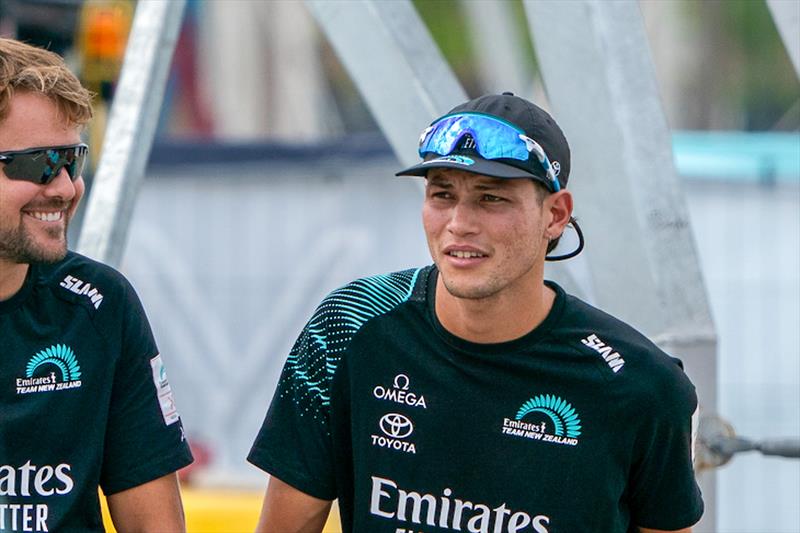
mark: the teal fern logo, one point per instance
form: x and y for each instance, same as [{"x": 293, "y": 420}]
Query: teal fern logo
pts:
[
  {"x": 59, "y": 355},
  {"x": 565, "y": 420}
]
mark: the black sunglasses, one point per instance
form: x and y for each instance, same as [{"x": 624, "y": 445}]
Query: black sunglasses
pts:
[{"x": 42, "y": 165}]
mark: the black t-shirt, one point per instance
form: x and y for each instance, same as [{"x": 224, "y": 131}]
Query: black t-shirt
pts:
[
  {"x": 84, "y": 398},
  {"x": 580, "y": 425}
]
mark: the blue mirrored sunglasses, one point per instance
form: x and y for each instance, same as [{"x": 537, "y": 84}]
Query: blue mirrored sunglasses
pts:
[
  {"x": 42, "y": 165},
  {"x": 494, "y": 139}
]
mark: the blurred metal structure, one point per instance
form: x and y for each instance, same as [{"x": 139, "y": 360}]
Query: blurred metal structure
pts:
[
  {"x": 501, "y": 63},
  {"x": 603, "y": 88},
  {"x": 260, "y": 69},
  {"x": 786, "y": 14},
  {"x": 131, "y": 128},
  {"x": 45, "y": 23},
  {"x": 719, "y": 443},
  {"x": 394, "y": 63}
]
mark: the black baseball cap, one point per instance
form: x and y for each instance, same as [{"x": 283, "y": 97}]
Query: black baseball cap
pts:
[{"x": 528, "y": 117}]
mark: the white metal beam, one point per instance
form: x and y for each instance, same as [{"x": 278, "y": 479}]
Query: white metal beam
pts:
[
  {"x": 131, "y": 127},
  {"x": 501, "y": 61},
  {"x": 595, "y": 62},
  {"x": 394, "y": 63},
  {"x": 786, "y": 14}
]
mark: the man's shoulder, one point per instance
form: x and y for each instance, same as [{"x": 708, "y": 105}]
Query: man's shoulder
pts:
[
  {"x": 344, "y": 311},
  {"x": 340, "y": 317},
  {"x": 373, "y": 295},
  {"x": 84, "y": 281},
  {"x": 624, "y": 349},
  {"x": 583, "y": 316}
]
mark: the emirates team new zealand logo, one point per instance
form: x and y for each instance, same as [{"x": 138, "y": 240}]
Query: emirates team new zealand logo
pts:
[
  {"x": 547, "y": 418},
  {"x": 54, "y": 368}
]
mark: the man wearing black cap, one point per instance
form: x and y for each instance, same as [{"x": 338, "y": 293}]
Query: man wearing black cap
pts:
[{"x": 472, "y": 395}]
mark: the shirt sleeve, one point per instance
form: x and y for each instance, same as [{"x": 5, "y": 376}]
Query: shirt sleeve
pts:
[
  {"x": 144, "y": 436},
  {"x": 663, "y": 490},
  {"x": 294, "y": 443}
]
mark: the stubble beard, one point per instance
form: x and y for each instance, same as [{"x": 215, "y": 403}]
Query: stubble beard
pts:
[
  {"x": 485, "y": 290},
  {"x": 494, "y": 283},
  {"x": 19, "y": 246}
]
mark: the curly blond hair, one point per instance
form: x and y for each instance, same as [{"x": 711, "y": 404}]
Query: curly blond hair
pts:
[{"x": 27, "y": 68}]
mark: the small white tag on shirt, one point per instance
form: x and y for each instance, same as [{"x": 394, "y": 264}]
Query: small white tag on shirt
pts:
[
  {"x": 695, "y": 424},
  {"x": 165, "y": 399}
]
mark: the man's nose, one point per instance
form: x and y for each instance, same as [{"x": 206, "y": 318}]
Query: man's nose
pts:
[
  {"x": 62, "y": 186},
  {"x": 463, "y": 219}
]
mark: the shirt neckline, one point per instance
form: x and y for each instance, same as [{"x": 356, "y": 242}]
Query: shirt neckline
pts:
[
  {"x": 514, "y": 345},
  {"x": 24, "y": 291}
]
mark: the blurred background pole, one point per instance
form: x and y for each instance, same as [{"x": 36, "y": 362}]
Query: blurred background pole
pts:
[
  {"x": 786, "y": 14},
  {"x": 501, "y": 63},
  {"x": 131, "y": 127},
  {"x": 603, "y": 89},
  {"x": 394, "y": 63}
]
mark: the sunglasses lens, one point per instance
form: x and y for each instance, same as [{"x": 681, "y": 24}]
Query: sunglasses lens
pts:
[
  {"x": 74, "y": 162},
  {"x": 494, "y": 139},
  {"x": 23, "y": 167},
  {"x": 42, "y": 166}
]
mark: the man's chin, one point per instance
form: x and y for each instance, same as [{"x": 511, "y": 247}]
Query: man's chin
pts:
[
  {"x": 42, "y": 254},
  {"x": 469, "y": 291},
  {"x": 52, "y": 252},
  {"x": 51, "y": 249},
  {"x": 49, "y": 258}
]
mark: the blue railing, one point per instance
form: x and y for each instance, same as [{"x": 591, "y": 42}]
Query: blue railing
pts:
[
  {"x": 704, "y": 155},
  {"x": 740, "y": 156}
]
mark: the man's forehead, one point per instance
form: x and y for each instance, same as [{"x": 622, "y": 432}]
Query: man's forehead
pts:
[
  {"x": 34, "y": 120},
  {"x": 445, "y": 176}
]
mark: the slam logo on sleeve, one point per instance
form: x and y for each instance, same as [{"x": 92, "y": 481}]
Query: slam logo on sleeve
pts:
[
  {"x": 54, "y": 368},
  {"x": 82, "y": 288},
  {"x": 612, "y": 358}
]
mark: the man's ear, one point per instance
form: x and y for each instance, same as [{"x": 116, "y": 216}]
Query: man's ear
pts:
[{"x": 559, "y": 206}]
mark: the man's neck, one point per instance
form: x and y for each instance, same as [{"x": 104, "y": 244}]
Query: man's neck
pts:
[
  {"x": 12, "y": 277},
  {"x": 495, "y": 319}
]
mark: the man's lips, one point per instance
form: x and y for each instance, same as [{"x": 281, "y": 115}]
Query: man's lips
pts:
[
  {"x": 464, "y": 252},
  {"x": 46, "y": 214}
]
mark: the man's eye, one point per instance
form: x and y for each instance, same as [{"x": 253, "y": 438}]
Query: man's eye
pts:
[
  {"x": 492, "y": 198},
  {"x": 444, "y": 195}
]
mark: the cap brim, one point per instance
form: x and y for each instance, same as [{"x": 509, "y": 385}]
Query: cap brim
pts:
[{"x": 477, "y": 165}]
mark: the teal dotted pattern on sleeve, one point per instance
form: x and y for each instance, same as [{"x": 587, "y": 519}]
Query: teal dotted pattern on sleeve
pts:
[{"x": 313, "y": 360}]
